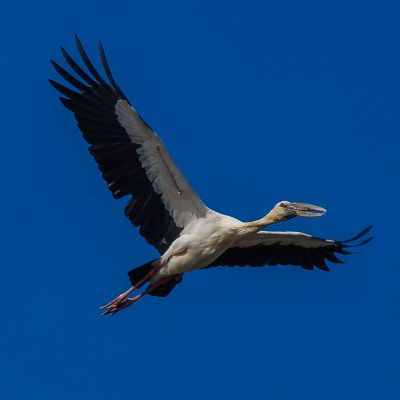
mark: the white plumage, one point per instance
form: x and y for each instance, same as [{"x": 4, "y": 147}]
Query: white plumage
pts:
[
  {"x": 177, "y": 195},
  {"x": 171, "y": 217}
]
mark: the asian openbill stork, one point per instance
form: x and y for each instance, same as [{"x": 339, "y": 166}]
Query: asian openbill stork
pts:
[{"x": 187, "y": 234}]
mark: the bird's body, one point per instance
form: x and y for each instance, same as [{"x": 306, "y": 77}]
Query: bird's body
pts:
[
  {"x": 205, "y": 240},
  {"x": 171, "y": 216}
]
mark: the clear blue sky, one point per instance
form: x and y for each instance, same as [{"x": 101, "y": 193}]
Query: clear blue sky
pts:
[{"x": 257, "y": 102}]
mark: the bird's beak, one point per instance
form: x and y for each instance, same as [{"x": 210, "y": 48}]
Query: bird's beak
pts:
[{"x": 306, "y": 210}]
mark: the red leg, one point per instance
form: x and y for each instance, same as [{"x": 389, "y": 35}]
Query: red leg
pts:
[
  {"x": 123, "y": 304},
  {"x": 124, "y": 295},
  {"x": 127, "y": 301}
]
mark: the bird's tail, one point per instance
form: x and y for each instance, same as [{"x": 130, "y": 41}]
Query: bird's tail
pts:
[{"x": 137, "y": 274}]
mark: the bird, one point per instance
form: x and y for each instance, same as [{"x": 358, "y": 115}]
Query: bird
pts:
[{"x": 170, "y": 216}]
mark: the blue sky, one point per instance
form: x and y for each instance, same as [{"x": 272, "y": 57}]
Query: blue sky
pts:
[{"x": 257, "y": 102}]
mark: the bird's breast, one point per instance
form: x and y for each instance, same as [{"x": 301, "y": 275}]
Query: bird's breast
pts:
[{"x": 195, "y": 251}]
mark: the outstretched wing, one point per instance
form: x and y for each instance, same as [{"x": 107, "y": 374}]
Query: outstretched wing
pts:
[
  {"x": 130, "y": 156},
  {"x": 287, "y": 248}
]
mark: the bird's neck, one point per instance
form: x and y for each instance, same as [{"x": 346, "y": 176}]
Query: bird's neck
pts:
[{"x": 259, "y": 224}]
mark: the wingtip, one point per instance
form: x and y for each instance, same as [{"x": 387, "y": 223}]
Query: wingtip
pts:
[
  {"x": 368, "y": 228},
  {"x": 52, "y": 82},
  {"x": 78, "y": 41},
  {"x": 366, "y": 241},
  {"x": 359, "y": 235}
]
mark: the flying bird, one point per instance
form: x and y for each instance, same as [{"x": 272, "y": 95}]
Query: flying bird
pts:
[{"x": 170, "y": 215}]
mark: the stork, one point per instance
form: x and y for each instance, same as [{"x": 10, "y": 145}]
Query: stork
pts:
[{"x": 187, "y": 234}]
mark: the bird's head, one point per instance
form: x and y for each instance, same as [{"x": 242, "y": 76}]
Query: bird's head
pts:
[{"x": 285, "y": 210}]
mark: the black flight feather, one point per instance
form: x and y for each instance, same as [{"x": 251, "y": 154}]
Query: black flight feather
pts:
[{"x": 117, "y": 156}]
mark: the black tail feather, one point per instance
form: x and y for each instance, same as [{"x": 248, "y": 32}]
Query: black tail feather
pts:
[
  {"x": 165, "y": 290},
  {"x": 138, "y": 273}
]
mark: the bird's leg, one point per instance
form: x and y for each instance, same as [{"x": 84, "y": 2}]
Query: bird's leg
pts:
[
  {"x": 119, "y": 298},
  {"x": 128, "y": 301},
  {"x": 123, "y": 296}
]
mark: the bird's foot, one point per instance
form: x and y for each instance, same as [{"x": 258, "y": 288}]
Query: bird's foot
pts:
[
  {"x": 118, "y": 300},
  {"x": 119, "y": 304},
  {"x": 122, "y": 301}
]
